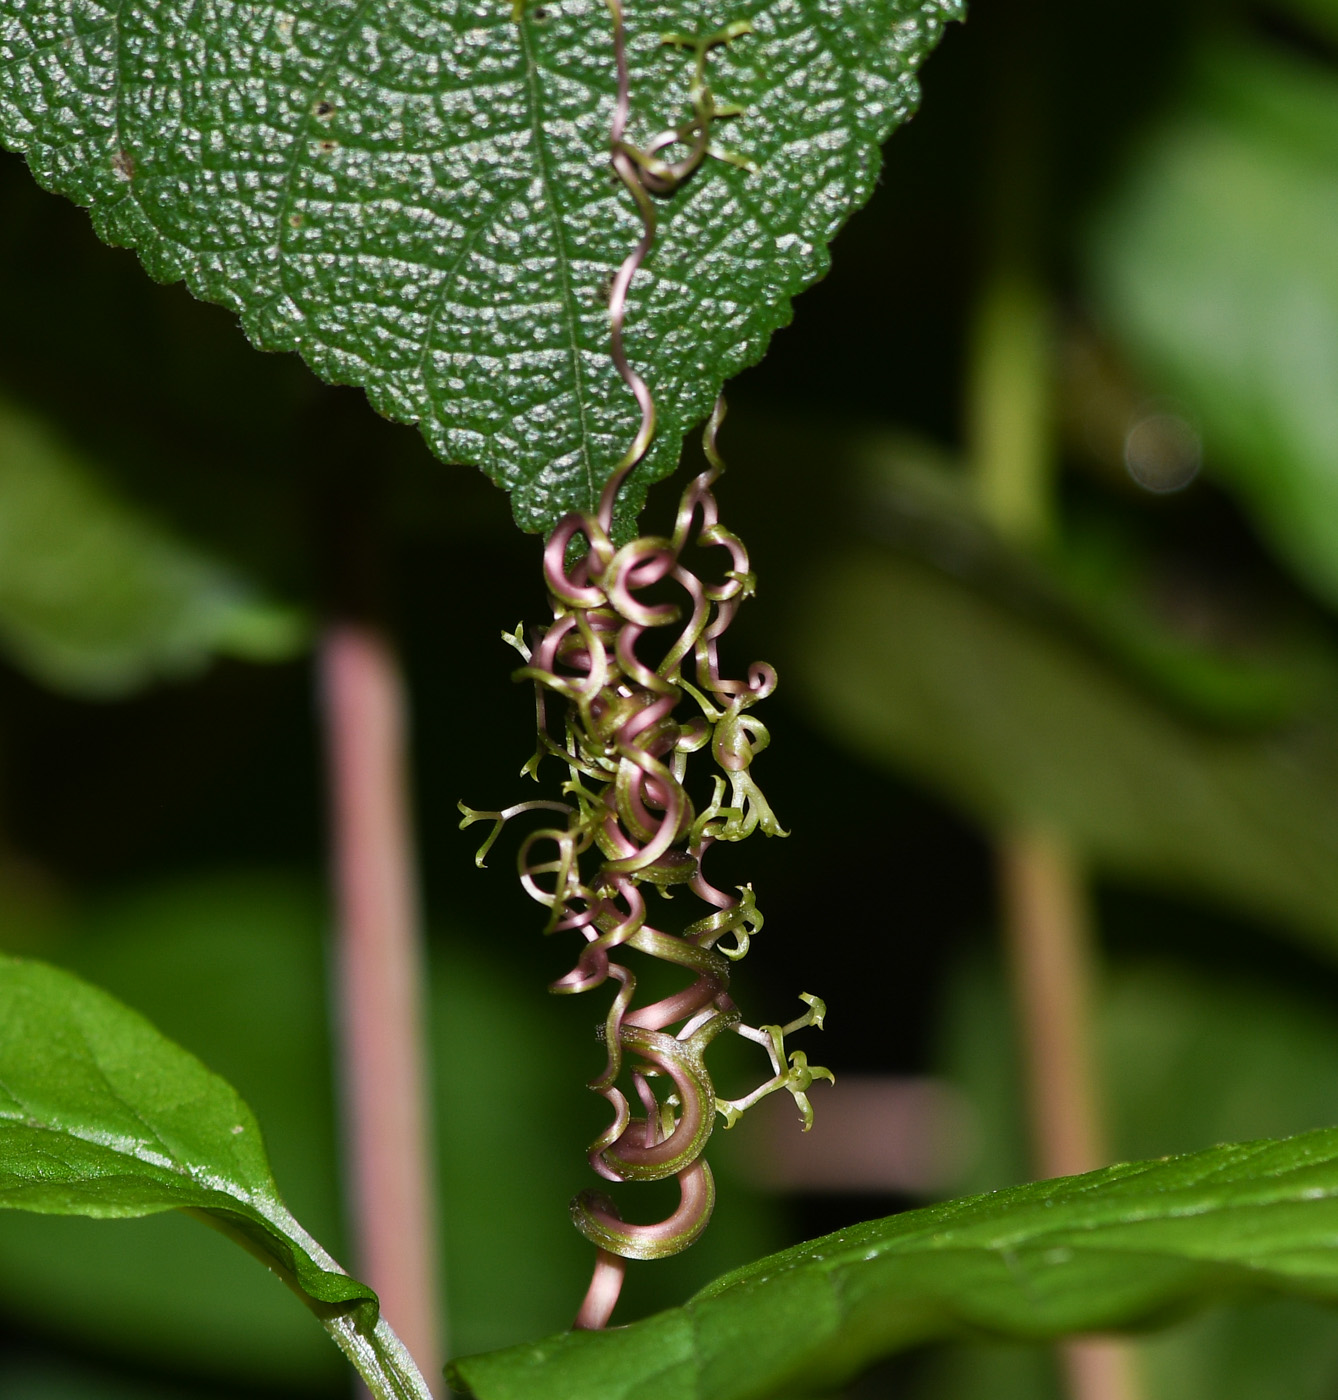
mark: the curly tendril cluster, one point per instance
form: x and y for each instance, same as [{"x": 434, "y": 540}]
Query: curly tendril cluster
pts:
[
  {"x": 627, "y": 622},
  {"x": 630, "y": 823}
]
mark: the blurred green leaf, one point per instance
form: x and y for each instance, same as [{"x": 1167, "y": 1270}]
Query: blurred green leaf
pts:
[
  {"x": 1258, "y": 1351},
  {"x": 1017, "y": 722},
  {"x": 508, "y": 1076},
  {"x": 1322, "y": 15},
  {"x": 442, "y": 238},
  {"x": 51, "y": 1380},
  {"x": 1228, "y": 651},
  {"x": 1214, "y": 263},
  {"x": 1187, "y": 1057},
  {"x": 1112, "y": 1248},
  {"x": 97, "y": 598},
  {"x": 1194, "y": 1058},
  {"x": 1000, "y": 1370},
  {"x": 102, "y": 1116}
]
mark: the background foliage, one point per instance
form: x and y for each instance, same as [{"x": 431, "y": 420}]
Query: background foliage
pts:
[{"x": 1160, "y": 681}]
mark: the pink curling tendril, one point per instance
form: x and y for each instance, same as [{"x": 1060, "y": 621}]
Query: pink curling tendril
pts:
[{"x": 630, "y": 821}]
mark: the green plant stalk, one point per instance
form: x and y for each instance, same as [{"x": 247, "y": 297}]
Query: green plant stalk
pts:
[
  {"x": 379, "y": 981},
  {"x": 1009, "y": 407},
  {"x": 380, "y": 1358}
]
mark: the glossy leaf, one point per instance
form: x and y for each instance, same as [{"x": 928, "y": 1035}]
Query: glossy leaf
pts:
[
  {"x": 1215, "y": 265},
  {"x": 1113, "y": 1248},
  {"x": 417, "y": 197},
  {"x": 97, "y": 598},
  {"x": 1187, "y": 1056},
  {"x": 101, "y": 1116},
  {"x": 232, "y": 966}
]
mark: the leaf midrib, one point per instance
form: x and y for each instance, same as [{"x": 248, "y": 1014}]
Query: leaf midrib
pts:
[{"x": 555, "y": 223}]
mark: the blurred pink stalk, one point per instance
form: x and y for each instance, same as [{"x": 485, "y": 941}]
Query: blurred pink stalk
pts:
[
  {"x": 380, "y": 986},
  {"x": 1049, "y": 944},
  {"x": 879, "y": 1134},
  {"x": 1050, "y": 947}
]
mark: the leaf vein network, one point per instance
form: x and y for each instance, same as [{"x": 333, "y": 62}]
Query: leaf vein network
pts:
[
  {"x": 38, "y": 50},
  {"x": 338, "y": 46},
  {"x": 449, "y": 279}
]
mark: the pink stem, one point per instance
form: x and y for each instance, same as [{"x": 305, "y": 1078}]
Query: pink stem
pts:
[
  {"x": 1050, "y": 941},
  {"x": 602, "y": 1296},
  {"x": 380, "y": 985}
]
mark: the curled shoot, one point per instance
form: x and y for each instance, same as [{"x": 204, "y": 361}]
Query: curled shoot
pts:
[{"x": 626, "y": 622}]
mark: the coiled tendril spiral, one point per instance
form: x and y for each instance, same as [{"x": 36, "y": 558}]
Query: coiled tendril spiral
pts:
[{"x": 630, "y": 821}]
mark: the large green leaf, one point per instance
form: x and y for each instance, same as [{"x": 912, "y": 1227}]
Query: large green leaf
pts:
[
  {"x": 1113, "y": 1248},
  {"x": 1187, "y": 1056},
  {"x": 417, "y": 198},
  {"x": 98, "y": 598},
  {"x": 1215, "y": 264},
  {"x": 101, "y": 1116},
  {"x": 232, "y": 966}
]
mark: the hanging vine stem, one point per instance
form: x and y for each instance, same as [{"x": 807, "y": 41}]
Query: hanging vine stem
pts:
[{"x": 630, "y": 819}]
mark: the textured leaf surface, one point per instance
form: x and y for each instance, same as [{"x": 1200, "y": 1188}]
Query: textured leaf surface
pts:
[
  {"x": 1215, "y": 263},
  {"x": 102, "y": 1116},
  {"x": 1116, "y": 1247},
  {"x": 417, "y": 197},
  {"x": 96, "y": 598}
]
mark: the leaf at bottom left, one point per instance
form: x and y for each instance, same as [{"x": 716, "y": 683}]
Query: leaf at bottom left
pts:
[{"x": 100, "y": 1115}]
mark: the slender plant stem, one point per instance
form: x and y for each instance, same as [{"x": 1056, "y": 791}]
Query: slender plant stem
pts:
[
  {"x": 1101, "y": 1368},
  {"x": 380, "y": 984},
  {"x": 1044, "y": 898},
  {"x": 1050, "y": 951},
  {"x": 1009, "y": 407},
  {"x": 382, "y": 1361}
]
